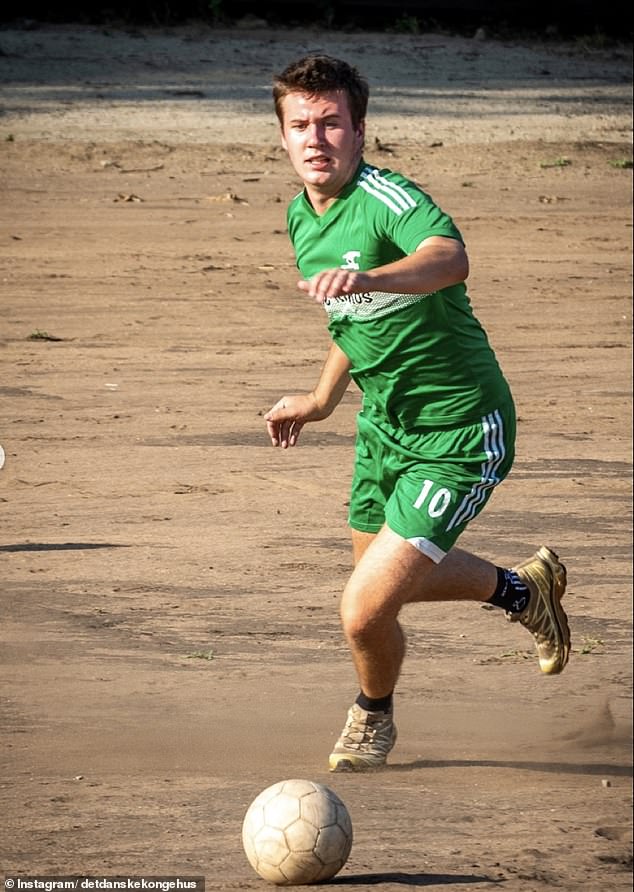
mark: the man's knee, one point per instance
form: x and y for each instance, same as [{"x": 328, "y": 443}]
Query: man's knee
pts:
[{"x": 364, "y": 614}]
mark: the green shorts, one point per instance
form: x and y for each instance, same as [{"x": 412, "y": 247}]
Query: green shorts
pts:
[{"x": 427, "y": 485}]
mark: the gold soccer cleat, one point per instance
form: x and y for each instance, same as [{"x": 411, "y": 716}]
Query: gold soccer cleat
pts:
[{"x": 545, "y": 577}]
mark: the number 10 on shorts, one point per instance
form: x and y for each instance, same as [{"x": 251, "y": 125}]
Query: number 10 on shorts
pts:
[{"x": 437, "y": 503}]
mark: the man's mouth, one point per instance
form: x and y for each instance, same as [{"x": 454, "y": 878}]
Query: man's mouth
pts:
[{"x": 318, "y": 162}]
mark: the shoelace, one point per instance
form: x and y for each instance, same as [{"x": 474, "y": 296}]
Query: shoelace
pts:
[{"x": 360, "y": 732}]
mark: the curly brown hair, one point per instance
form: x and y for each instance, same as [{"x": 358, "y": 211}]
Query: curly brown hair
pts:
[{"x": 316, "y": 74}]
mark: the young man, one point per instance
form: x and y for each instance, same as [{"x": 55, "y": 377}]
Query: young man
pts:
[{"x": 437, "y": 424}]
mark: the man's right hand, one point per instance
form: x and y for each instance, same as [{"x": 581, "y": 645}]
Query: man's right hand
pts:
[{"x": 287, "y": 417}]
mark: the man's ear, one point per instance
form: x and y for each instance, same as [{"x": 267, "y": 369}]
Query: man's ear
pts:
[
  {"x": 361, "y": 132},
  {"x": 283, "y": 140}
]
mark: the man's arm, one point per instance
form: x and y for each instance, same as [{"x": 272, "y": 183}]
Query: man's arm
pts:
[
  {"x": 289, "y": 414},
  {"x": 437, "y": 263}
]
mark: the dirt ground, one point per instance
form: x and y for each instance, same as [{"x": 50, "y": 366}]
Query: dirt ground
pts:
[{"x": 170, "y": 639}]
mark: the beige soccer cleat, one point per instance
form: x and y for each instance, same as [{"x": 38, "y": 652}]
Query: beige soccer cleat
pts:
[
  {"x": 365, "y": 741},
  {"x": 545, "y": 577}
]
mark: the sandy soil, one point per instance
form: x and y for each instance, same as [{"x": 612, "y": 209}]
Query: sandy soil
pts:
[{"x": 170, "y": 582}]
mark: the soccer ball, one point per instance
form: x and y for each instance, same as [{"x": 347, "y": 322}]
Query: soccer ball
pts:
[{"x": 295, "y": 832}]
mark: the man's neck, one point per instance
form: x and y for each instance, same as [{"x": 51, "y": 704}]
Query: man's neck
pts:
[
  {"x": 319, "y": 201},
  {"x": 322, "y": 200}
]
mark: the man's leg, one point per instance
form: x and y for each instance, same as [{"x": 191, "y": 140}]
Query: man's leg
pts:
[
  {"x": 360, "y": 543},
  {"x": 389, "y": 573}
]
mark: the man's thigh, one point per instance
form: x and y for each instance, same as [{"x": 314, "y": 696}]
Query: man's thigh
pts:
[
  {"x": 389, "y": 574},
  {"x": 360, "y": 543}
]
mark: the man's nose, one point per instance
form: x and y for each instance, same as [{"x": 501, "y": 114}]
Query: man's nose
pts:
[{"x": 316, "y": 133}]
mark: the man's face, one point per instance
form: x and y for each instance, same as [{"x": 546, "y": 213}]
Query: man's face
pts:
[{"x": 322, "y": 143}]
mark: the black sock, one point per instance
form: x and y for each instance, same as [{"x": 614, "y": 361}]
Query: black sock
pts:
[
  {"x": 510, "y": 593},
  {"x": 382, "y": 704}
]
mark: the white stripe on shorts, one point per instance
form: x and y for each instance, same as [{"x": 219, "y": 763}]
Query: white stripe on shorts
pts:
[
  {"x": 493, "y": 431},
  {"x": 428, "y": 548}
]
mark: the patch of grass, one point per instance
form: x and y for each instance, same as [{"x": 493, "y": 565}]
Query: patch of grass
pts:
[
  {"x": 406, "y": 24},
  {"x": 622, "y": 163},
  {"x": 39, "y": 335},
  {"x": 201, "y": 655},
  {"x": 558, "y": 162},
  {"x": 215, "y": 8},
  {"x": 589, "y": 645},
  {"x": 596, "y": 41}
]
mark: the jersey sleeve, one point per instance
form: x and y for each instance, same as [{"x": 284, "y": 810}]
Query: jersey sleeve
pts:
[{"x": 409, "y": 214}]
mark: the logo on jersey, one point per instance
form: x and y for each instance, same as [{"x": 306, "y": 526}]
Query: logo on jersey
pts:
[{"x": 351, "y": 258}]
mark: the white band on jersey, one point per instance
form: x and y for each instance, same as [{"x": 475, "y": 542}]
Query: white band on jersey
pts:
[{"x": 369, "y": 304}]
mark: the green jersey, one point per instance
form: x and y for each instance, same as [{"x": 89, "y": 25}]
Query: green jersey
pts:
[{"x": 421, "y": 360}]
